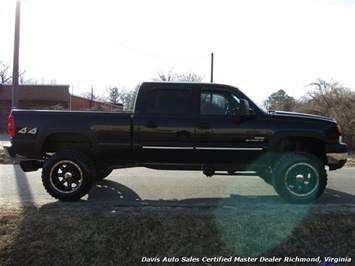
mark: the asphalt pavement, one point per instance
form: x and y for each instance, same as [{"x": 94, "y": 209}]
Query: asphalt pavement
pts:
[
  {"x": 145, "y": 187},
  {"x": 4, "y": 138}
]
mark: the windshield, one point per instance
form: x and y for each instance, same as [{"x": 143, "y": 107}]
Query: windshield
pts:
[{"x": 261, "y": 108}]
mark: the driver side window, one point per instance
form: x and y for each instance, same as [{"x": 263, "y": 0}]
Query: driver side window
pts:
[{"x": 217, "y": 103}]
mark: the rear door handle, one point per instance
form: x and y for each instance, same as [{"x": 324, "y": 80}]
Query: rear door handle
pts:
[
  {"x": 151, "y": 125},
  {"x": 204, "y": 126}
]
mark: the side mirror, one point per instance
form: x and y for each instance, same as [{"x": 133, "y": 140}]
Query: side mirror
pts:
[{"x": 244, "y": 109}]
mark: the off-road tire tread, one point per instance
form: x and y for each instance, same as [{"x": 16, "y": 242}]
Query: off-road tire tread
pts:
[
  {"x": 281, "y": 166},
  {"x": 83, "y": 161}
]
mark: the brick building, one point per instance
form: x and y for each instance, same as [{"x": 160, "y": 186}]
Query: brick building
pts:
[
  {"x": 80, "y": 103},
  {"x": 54, "y": 97}
]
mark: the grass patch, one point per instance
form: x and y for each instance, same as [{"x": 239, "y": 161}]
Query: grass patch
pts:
[{"x": 56, "y": 236}]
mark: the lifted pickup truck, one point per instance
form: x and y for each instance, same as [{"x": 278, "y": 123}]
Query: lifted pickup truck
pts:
[{"x": 179, "y": 126}]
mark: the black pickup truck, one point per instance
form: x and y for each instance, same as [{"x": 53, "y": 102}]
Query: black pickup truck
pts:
[{"x": 179, "y": 126}]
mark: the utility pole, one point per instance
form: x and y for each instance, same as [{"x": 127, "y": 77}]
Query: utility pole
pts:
[
  {"x": 15, "y": 68},
  {"x": 71, "y": 97},
  {"x": 92, "y": 96},
  {"x": 212, "y": 57}
]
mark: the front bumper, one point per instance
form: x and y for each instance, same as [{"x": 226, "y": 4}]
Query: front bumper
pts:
[
  {"x": 336, "y": 160},
  {"x": 337, "y": 155}
]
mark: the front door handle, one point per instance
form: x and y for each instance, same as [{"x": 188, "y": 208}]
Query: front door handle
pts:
[{"x": 204, "y": 126}]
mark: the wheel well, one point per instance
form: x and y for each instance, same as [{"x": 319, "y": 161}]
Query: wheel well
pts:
[
  {"x": 64, "y": 141},
  {"x": 310, "y": 145}
]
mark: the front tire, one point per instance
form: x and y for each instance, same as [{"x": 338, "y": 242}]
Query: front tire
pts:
[
  {"x": 265, "y": 174},
  {"x": 299, "y": 177},
  {"x": 68, "y": 175}
]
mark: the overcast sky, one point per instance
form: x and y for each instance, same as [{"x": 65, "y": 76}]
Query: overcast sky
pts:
[{"x": 258, "y": 46}]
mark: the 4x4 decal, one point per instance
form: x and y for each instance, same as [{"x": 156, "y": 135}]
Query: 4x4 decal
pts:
[{"x": 28, "y": 130}]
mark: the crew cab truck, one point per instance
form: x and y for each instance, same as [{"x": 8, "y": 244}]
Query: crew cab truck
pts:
[{"x": 179, "y": 126}]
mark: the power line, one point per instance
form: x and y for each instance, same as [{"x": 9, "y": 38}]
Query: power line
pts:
[
  {"x": 79, "y": 22},
  {"x": 143, "y": 52}
]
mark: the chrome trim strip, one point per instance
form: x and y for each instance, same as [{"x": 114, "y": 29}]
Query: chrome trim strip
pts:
[
  {"x": 167, "y": 148},
  {"x": 201, "y": 148},
  {"x": 229, "y": 149}
]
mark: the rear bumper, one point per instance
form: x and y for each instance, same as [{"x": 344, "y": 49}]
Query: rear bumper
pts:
[
  {"x": 26, "y": 165},
  {"x": 21, "y": 148},
  {"x": 337, "y": 155},
  {"x": 9, "y": 151}
]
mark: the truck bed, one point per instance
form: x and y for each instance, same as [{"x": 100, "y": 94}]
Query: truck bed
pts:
[{"x": 108, "y": 130}]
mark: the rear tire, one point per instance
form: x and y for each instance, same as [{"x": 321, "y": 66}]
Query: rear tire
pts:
[
  {"x": 68, "y": 175},
  {"x": 299, "y": 177}
]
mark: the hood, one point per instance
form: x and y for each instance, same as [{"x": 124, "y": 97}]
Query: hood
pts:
[{"x": 301, "y": 116}]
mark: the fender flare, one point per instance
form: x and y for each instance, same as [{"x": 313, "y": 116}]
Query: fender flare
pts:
[
  {"x": 282, "y": 134},
  {"x": 43, "y": 135}
]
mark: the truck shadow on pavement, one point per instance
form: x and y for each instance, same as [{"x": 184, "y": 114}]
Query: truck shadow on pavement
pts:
[
  {"x": 113, "y": 192},
  {"x": 116, "y": 193},
  {"x": 335, "y": 196},
  {"x": 107, "y": 190}
]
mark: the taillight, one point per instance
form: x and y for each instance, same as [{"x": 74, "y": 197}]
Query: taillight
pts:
[{"x": 11, "y": 126}]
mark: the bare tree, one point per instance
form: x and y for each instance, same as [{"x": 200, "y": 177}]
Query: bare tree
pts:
[
  {"x": 166, "y": 74},
  {"x": 42, "y": 80},
  {"x": 6, "y": 75},
  {"x": 116, "y": 94},
  {"x": 333, "y": 100},
  {"x": 326, "y": 98},
  {"x": 131, "y": 98},
  {"x": 190, "y": 77},
  {"x": 170, "y": 75},
  {"x": 89, "y": 95}
]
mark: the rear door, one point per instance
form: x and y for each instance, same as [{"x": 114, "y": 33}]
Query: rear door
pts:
[{"x": 166, "y": 130}]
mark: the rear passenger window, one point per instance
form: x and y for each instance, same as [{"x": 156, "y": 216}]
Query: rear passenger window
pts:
[{"x": 170, "y": 102}]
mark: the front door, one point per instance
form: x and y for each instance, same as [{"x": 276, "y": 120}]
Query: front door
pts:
[{"x": 224, "y": 137}]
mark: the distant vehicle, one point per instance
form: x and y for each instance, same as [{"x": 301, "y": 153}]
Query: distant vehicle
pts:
[{"x": 179, "y": 126}]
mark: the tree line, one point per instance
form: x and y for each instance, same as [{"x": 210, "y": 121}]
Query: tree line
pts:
[
  {"x": 121, "y": 95},
  {"x": 6, "y": 76}
]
